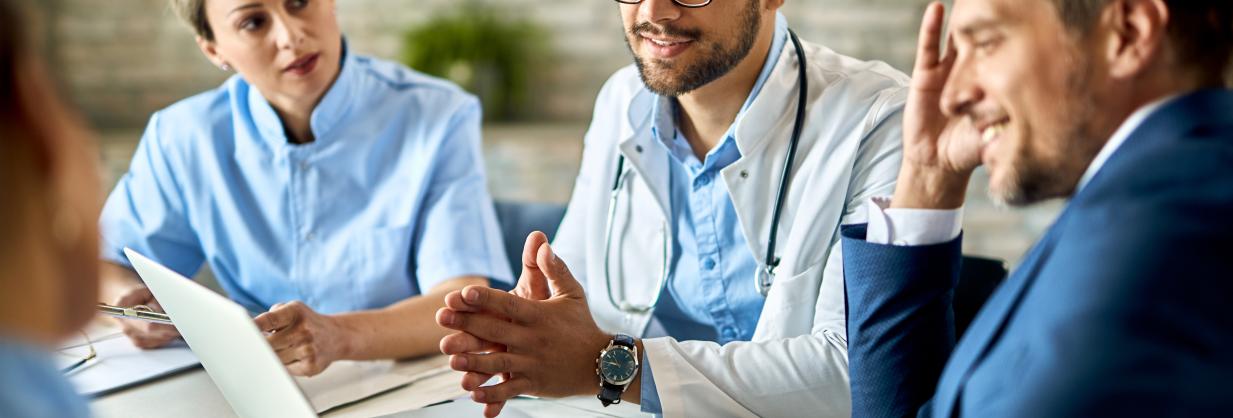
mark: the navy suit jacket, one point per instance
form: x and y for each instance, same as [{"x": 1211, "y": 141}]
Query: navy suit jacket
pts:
[{"x": 1123, "y": 308}]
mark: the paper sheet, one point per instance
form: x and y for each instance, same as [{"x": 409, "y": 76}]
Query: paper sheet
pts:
[
  {"x": 349, "y": 381},
  {"x": 432, "y": 382},
  {"x": 458, "y": 408},
  {"x": 120, "y": 364}
]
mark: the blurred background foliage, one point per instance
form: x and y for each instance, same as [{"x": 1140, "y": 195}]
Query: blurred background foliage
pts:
[{"x": 485, "y": 50}]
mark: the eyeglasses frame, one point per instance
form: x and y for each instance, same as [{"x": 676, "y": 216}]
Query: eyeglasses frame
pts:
[{"x": 678, "y": 3}]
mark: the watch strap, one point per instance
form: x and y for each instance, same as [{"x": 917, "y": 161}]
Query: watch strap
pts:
[
  {"x": 610, "y": 394},
  {"x": 623, "y": 340}
]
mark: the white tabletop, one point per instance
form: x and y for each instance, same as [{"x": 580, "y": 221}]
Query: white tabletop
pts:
[{"x": 193, "y": 394}]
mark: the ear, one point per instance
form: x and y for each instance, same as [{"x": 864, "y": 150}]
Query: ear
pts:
[
  {"x": 210, "y": 51},
  {"x": 773, "y": 5},
  {"x": 1138, "y": 31}
]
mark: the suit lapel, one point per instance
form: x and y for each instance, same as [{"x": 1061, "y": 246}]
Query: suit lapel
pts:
[{"x": 987, "y": 327}]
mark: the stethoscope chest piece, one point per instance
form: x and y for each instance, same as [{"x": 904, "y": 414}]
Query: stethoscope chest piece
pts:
[{"x": 764, "y": 276}]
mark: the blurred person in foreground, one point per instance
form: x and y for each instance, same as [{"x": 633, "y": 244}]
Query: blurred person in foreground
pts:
[
  {"x": 341, "y": 195},
  {"x": 48, "y": 239},
  {"x": 1122, "y": 308}
]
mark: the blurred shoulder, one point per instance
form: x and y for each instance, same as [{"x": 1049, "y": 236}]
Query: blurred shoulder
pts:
[
  {"x": 833, "y": 66},
  {"x": 873, "y": 87},
  {"x": 205, "y": 116},
  {"x": 387, "y": 80},
  {"x": 206, "y": 108}
]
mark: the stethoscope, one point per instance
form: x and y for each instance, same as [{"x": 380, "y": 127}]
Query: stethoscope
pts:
[{"x": 764, "y": 275}]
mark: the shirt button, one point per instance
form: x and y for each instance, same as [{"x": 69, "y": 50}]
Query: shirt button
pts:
[
  {"x": 309, "y": 236},
  {"x": 729, "y": 333},
  {"x": 709, "y": 264},
  {"x": 703, "y": 181},
  {"x": 303, "y": 166}
]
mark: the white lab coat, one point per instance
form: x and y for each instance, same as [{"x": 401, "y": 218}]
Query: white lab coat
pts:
[{"x": 850, "y": 150}]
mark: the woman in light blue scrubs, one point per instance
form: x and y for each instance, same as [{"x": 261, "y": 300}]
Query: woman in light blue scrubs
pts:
[
  {"x": 342, "y": 195},
  {"x": 48, "y": 244}
]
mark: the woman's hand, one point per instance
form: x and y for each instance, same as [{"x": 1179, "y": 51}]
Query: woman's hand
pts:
[
  {"x": 307, "y": 342},
  {"x": 145, "y": 334}
]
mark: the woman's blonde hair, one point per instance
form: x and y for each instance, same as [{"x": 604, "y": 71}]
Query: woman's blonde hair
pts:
[{"x": 193, "y": 13}]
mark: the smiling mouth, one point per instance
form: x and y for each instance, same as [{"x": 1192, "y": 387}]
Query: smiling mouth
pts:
[
  {"x": 666, "y": 42},
  {"x": 991, "y": 132},
  {"x": 666, "y": 48}
]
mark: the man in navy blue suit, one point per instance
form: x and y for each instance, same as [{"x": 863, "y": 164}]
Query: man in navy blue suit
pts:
[{"x": 1125, "y": 306}]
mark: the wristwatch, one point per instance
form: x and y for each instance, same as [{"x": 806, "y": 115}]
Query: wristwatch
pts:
[{"x": 616, "y": 366}]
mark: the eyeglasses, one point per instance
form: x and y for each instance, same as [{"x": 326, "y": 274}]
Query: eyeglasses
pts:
[
  {"x": 81, "y": 359},
  {"x": 75, "y": 352},
  {"x": 692, "y": 4}
]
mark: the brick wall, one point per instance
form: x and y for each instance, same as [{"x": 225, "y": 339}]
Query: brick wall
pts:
[{"x": 123, "y": 59}]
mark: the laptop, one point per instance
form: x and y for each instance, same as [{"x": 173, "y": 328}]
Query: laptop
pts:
[{"x": 241, "y": 363}]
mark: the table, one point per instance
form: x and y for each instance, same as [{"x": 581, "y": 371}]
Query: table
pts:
[{"x": 193, "y": 394}]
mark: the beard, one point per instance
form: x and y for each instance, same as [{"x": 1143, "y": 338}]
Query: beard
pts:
[
  {"x": 672, "y": 79},
  {"x": 1036, "y": 176}
]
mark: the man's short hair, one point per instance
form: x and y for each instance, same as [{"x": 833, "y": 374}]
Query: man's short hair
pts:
[{"x": 1201, "y": 30}]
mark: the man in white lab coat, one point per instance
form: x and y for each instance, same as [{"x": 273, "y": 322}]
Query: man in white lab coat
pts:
[{"x": 670, "y": 225}]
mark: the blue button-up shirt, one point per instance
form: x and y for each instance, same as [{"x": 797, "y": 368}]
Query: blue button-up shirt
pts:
[
  {"x": 30, "y": 385},
  {"x": 710, "y": 293},
  {"x": 388, "y": 201}
]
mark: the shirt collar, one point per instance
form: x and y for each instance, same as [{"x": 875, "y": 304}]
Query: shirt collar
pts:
[
  {"x": 1119, "y": 137},
  {"x": 326, "y": 115},
  {"x": 663, "y": 110}
]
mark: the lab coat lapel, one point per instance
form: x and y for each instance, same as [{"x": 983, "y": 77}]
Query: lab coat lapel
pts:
[
  {"x": 762, "y": 135},
  {"x": 650, "y": 165},
  {"x": 649, "y": 161}
]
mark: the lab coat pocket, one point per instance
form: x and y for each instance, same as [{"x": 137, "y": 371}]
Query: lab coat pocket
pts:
[
  {"x": 381, "y": 266},
  {"x": 802, "y": 286},
  {"x": 790, "y": 305}
]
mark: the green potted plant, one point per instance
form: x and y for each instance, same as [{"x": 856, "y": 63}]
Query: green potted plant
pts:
[{"x": 484, "y": 51}]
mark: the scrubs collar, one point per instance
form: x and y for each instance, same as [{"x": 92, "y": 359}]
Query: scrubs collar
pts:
[{"x": 329, "y": 113}]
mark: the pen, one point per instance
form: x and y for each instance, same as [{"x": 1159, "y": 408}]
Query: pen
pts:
[{"x": 141, "y": 312}]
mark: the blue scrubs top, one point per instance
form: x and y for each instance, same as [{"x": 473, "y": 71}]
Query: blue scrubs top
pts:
[{"x": 389, "y": 201}]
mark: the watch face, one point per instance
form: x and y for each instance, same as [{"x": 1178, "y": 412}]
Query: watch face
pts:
[{"x": 618, "y": 365}]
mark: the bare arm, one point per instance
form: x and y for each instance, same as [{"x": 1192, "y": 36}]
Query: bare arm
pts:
[
  {"x": 116, "y": 282},
  {"x": 404, "y": 329},
  {"x": 307, "y": 342}
]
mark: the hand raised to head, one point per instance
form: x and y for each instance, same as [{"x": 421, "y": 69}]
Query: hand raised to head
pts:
[{"x": 940, "y": 150}]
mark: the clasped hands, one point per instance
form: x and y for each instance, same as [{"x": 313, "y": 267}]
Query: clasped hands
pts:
[{"x": 540, "y": 337}]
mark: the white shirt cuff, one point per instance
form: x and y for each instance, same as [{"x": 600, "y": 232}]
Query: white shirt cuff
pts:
[{"x": 911, "y": 227}]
